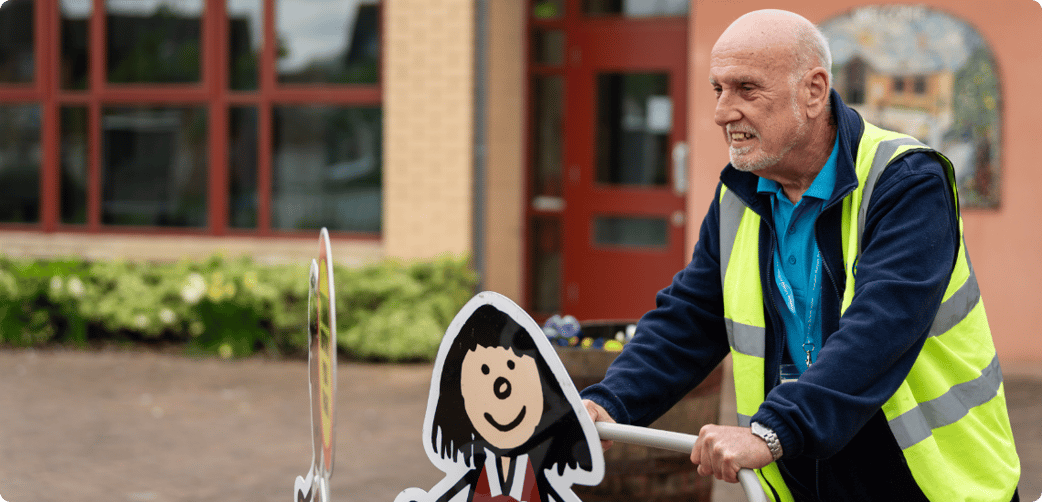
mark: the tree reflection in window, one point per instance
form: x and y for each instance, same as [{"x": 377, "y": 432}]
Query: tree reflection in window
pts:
[
  {"x": 328, "y": 41},
  {"x": 153, "y": 41}
]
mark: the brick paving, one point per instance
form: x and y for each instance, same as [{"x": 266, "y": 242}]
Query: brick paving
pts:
[{"x": 149, "y": 427}]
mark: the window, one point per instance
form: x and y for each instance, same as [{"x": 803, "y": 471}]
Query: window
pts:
[
  {"x": 326, "y": 168},
  {"x": 154, "y": 166},
  {"x": 20, "y": 151},
  {"x": 919, "y": 85},
  {"x": 158, "y": 114},
  {"x": 154, "y": 41},
  {"x": 17, "y": 48}
]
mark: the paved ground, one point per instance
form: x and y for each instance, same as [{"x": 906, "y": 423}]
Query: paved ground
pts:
[{"x": 143, "y": 427}]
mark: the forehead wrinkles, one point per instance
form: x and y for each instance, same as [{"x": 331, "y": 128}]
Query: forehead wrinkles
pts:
[
  {"x": 754, "y": 43},
  {"x": 750, "y": 64}
]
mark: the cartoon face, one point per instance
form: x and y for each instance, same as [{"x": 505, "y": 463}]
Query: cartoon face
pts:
[{"x": 502, "y": 395}]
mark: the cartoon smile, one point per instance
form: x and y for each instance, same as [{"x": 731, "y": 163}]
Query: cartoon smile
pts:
[{"x": 503, "y": 428}]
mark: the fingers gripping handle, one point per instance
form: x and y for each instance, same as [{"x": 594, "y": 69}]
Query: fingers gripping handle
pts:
[{"x": 673, "y": 441}]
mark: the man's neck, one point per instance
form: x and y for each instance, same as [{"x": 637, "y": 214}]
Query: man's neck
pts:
[{"x": 797, "y": 178}]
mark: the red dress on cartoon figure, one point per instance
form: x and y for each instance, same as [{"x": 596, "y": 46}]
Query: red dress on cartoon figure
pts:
[{"x": 527, "y": 486}]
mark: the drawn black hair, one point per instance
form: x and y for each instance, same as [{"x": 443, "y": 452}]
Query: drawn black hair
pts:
[{"x": 558, "y": 440}]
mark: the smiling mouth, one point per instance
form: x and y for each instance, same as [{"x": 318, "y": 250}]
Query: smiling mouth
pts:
[
  {"x": 509, "y": 426},
  {"x": 741, "y": 136}
]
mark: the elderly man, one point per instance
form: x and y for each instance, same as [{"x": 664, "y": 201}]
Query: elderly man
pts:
[{"x": 831, "y": 267}]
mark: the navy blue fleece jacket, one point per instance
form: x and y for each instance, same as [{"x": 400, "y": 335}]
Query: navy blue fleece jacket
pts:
[{"x": 910, "y": 243}]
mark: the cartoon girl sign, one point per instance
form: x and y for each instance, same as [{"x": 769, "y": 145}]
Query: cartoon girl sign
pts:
[{"x": 504, "y": 421}]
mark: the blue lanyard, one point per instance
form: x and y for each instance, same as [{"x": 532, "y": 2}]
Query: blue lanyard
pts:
[{"x": 790, "y": 301}]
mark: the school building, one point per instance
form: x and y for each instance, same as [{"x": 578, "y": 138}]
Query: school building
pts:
[{"x": 567, "y": 146}]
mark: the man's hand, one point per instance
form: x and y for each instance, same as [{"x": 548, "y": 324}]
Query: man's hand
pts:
[
  {"x": 722, "y": 450},
  {"x": 598, "y": 414}
]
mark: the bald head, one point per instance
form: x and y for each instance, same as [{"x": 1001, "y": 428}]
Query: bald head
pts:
[
  {"x": 781, "y": 37},
  {"x": 769, "y": 70}
]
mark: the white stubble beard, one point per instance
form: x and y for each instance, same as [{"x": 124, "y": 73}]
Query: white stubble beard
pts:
[{"x": 766, "y": 160}]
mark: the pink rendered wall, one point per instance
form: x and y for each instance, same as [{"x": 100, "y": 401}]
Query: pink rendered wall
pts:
[{"x": 1004, "y": 243}]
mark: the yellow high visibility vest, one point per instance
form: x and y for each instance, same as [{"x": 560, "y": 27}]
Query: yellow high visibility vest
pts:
[{"x": 949, "y": 415}]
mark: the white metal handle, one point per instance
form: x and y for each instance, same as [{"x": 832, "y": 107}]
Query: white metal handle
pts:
[{"x": 673, "y": 441}]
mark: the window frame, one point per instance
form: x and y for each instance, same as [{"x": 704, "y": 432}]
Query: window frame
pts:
[{"x": 213, "y": 92}]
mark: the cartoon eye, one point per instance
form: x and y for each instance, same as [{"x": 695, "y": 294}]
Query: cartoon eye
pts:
[
  {"x": 510, "y": 364},
  {"x": 484, "y": 369}
]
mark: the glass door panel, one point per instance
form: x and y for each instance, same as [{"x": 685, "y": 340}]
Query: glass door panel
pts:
[
  {"x": 634, "y": 119},
  {"x": 637, "y": 8}
]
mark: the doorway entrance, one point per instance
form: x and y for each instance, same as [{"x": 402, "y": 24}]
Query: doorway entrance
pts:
[{"x": 621, "y": 214}]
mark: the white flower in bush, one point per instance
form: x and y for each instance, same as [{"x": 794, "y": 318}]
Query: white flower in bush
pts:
[
  {"x": 167, "y": 316},
  {"x": 193, "y": 289},
  {"x": 75, "y": 286},
  {"x": 56, "y": 285},
  {"x": 141, "y": 321}
]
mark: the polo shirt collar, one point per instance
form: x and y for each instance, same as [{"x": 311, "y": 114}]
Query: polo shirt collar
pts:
[{"x": 822, "y": 186}]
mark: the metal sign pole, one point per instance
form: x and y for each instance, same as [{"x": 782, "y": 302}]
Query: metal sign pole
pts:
[{"x": 321, "y": 376}]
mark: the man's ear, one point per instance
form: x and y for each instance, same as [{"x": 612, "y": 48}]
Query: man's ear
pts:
[{"x": 816, "y": 84}]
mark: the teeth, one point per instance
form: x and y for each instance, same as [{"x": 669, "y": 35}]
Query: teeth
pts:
[{"x": 741, "y": 135}]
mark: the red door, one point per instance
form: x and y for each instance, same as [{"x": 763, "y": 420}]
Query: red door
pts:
[{"x": 626, "y": 164}]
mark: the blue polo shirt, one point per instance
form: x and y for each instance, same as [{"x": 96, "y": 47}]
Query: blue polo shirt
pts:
[{"x": 797, "y": 260}]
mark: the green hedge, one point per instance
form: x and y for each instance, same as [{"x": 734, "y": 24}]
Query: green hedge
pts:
[{"x": 388, "y": 311}]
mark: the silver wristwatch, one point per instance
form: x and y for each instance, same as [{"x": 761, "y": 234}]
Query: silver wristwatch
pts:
[{"x": 770, "y": 438}]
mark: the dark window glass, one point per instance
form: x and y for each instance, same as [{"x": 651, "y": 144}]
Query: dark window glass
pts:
[
  {"x": 637, "y": 8},
  {"x": 899, "y": 84},
  {"x": 328, "y": 41},
  {"x": 919, "y": 85},
  {"x": 548, "y": 135},
  {"x": 74, "y": 164},
  {"x": 634, "y": 119},
  {"x": 17, "y": 58},
  {"x": 548, "y": 47},
  {"x": 242, "y": 167},
  {"x": 154, "y": 41},
  {"x": 19, "y": 163},
  {"x": 245, "y": 39},
  {"x": 75, "y": 43},
  {"x": 546, "y": 268},
  {"x": 630, "y": 232},
  {"x": 154, "y": 167},
  {"x": 326, "y": 168}
]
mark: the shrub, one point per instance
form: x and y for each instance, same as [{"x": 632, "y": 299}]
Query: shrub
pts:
[{"x": 388, "y": 311}]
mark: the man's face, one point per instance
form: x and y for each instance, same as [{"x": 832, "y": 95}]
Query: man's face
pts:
[
  {"x": 757, "y": 105},
  {"x": 502, "y": 395}
]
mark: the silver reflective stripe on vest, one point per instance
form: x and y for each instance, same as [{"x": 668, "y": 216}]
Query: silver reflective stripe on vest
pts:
[
  {"x": 918, "y": 423},
  {"x": 745, "y": 339},
  {"x": 731, "y": 210},
  {"x": 958, "y": 307},
  {"x": 953, "y": 311},
  {"x": 884, "y": 151},
  {"x": 748, "y": 340}
]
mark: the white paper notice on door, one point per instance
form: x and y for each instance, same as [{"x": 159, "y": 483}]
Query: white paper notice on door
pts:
[{"x": 660, "y": 114}]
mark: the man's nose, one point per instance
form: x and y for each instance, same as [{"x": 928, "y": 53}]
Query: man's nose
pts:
[{"x": 726, "y": 111}]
